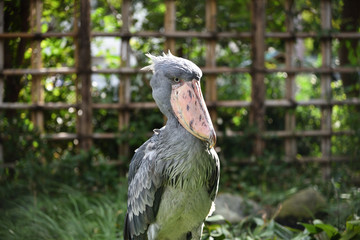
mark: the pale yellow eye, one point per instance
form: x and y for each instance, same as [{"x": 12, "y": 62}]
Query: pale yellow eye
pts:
[{"x": 176, "y": 79}]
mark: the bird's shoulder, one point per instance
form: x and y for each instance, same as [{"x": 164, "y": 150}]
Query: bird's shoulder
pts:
[{"x": 144, "y": 154}]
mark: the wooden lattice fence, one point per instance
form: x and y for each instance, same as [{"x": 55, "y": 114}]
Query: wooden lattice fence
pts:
[{"x": 82, "y": 36}]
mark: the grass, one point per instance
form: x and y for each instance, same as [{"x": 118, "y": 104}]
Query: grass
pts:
[{"x": 68, "y": 215}]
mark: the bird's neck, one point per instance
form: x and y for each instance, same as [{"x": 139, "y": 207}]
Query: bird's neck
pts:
[
  {"x": 176, "y": 132},
  {"x": 172, "y": 122}
]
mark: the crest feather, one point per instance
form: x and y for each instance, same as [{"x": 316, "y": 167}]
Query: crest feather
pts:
[{"x": 155, "y": 59}]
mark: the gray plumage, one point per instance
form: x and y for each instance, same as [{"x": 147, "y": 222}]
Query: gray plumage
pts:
[{"x": 173, "y": 177}]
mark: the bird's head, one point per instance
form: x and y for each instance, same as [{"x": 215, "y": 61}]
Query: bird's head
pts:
[{"x": 177, "y": 92}]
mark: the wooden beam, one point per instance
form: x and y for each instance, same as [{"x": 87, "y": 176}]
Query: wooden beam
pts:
[
  {"x": 178, "y": 34},
  {"x": 84, "y": 76},
  {"x": 287, "y": 134},
  {"x": 39, "y": 107},
  {"x": 2, "y": 54},
  {"x": 2, "y": 58},
  {"x": 210, "y": 61},
  {"x": 321, "y": 35},
  {"x": 37, "y": 91},
  {"x": 185, "y": 34},
  {"x": 35, "y": 35},
  {"x": 39, "y": 71},
  {"x": 322, "y": 69},
  {"x": 290, "y": 119},
  {"x": 125, "y": 106},
  {"x": 61, "y": 136},
  {"x": 326, "y": 111},
  {"x": 274, "y": 103},
  {"x": 170, "y": 25},
  {"x": 125, "y": 81},
  {"x": 323, "y": 159},
  {"x": 206, "y": 70},
  {"x": 257, "y": 108},
  {"x": 265, "y": 135}
]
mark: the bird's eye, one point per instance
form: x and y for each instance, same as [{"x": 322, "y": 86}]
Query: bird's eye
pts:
[{"x": 176, "y": 79}]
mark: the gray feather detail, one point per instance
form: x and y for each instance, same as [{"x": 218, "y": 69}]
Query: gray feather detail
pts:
[
  {"x": 213, "y": 182},
  {"x": 144, "y": 192}
]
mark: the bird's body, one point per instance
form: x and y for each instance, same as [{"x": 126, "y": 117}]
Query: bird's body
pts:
[{"x": 173, "y": 177}]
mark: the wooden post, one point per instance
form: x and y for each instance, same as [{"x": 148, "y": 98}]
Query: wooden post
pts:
[
  {"x": 124, "y": 87},
  {"x": 326, "y": 83},
  {"x": 170, "y": 25},
  {"x": 257, "y": 108},
  {"x": 84, "y": 77},
  {"x": 290, "y": 120},
  {"x": 37, "y": 91},
  {"x": 211, "y": 86},
  {"x": 76, "y": 58},
  {"x": 1, "y": 70},
  {"x": 1, "y": 52}
]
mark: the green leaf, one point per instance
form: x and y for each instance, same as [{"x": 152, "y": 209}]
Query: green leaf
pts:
[
  {"x": 259, "y": 221},
  {"x": 44, "y": 28},
  {"x": 311, "y": 228},
  {"x": 352, "y": 230},
  {"x": 330, "y": 231},
  {"x": 282, "y": 232},
  {"x": 352, "y": 224}
]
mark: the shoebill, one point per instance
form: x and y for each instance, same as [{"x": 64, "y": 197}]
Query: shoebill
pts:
[{"x": 173, "y": 177}]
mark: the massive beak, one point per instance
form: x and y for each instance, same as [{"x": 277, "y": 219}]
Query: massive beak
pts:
[{"x": 190, "y": 109}]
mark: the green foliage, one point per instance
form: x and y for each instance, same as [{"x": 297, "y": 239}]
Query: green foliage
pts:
[
  {"x": 233, "y": 16},
  {"x": 58, "y": 52},
  {"x": 37, "y": 164},
  {"x": 58, "y": 16},
  {"x": 328, "y": 232},
  {"x": 24, "y": 145},
  {"x": 65, "y": 214},
  {"x": 86, "y": 170},
  {"x": 260, "y": 229},
  {"x": 106, "y": 15}
]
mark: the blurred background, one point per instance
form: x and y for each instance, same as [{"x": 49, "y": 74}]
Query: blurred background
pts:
[{"x": 281, "y": 81}]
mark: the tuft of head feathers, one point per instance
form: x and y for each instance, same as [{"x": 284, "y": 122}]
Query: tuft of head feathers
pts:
[
  {"x": 155, "y": 59},
  {"x": 169, "y": 62}
]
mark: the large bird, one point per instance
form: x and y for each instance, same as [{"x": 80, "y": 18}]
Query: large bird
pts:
[{"x": 173, "y": 177}]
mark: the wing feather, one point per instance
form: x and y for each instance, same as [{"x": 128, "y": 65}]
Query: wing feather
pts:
[
  {"x": 144, "y": 191},
  {"x": 213, "y": 182}
]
